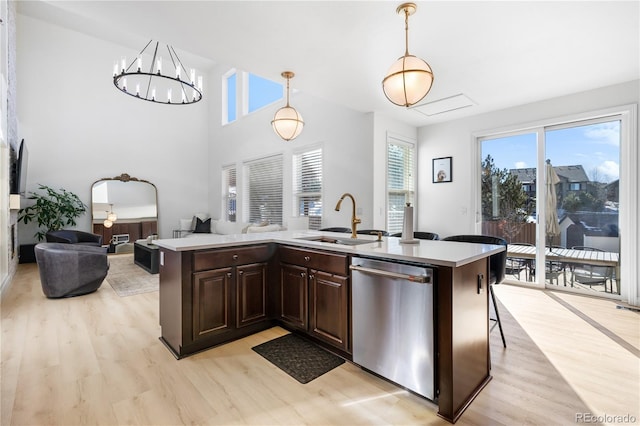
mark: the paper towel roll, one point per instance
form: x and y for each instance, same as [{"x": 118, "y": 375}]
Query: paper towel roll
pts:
[{"x": 407, "y": 226}]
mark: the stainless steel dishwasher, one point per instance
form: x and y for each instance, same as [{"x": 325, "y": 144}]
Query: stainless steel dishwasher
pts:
[{"x": 393, "y": 322}]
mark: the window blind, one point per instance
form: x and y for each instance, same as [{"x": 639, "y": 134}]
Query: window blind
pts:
[
  {"x": 263, "y": 189},
  {"x": 307, "y": 186},
  {"x": 400, "y": 182},
  {"x": 229, "y": 193}
]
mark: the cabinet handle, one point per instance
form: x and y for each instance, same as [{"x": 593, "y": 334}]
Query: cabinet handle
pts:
[
  {"x": 228, "y": 274},
  {"x": 302, "y": 274},
  {"x": 307, "y": 258},
  {"x": 480, "y": 278},
  {"x": 235, "y": 257},
  {"x": 240, "y": 272},
  {"x": 311, "y": 277}
]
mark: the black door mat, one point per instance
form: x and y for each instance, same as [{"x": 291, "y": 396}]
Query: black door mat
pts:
[{"x": 299, "y": 358}]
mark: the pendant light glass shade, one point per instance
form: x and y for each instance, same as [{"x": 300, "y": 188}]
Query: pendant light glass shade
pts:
[
  {"x": 107, "y": 223},
  {"x": 287, "y": 122},
  {"x": 112, "y": 217},
  {"x": 410, "y": 78}
]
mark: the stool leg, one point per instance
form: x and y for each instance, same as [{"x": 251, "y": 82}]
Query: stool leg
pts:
[{"x": 495, "y": 307}]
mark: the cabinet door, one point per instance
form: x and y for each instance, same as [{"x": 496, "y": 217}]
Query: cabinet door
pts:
[
  {"x": 211, "y": 302},
  {"x": 328, "y": 308},
  {"x": 251, "y": 285},
  {"x": 293, "y": 295}
]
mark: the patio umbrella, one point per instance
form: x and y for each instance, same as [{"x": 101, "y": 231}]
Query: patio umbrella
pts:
[{"x": 552, "y": 225}]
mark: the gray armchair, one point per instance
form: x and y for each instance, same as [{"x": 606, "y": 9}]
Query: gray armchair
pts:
[
  {"x": 68, "y": 270},
  {"x": 71, "y": 236}
]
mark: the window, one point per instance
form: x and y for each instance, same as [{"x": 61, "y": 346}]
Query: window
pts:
[
  {"x": 230, "y": 90},
  {"x": 307, "y": 186},
  {"x": 574, "y": 186},
  {"x": 229, "y": 193},
  {"x": 400, "y": 181},
  {"x": 263, "y": 189},
  {"x": 254, "y": 92},
  {"x": 262, "y": 92}
]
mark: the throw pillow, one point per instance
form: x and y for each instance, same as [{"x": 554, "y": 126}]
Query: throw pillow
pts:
[
  {"x": 202, "y": 227},
  {"x": 186, "y": 224}
]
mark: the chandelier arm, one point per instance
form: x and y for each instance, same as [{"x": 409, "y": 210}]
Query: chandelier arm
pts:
[{"x": 177, "y": 59}]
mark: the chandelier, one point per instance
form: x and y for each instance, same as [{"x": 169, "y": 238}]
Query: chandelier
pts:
[
  {"x": 175, "y": 87},
  {"x": 111, "y": 217},
  {"x": 410, "y": 78},
  {"x": 287, "y": 123}
]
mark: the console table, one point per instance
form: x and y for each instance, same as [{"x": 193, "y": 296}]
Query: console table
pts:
[{"x": 147, "y": 256}]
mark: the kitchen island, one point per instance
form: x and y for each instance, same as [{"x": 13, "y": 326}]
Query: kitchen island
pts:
[{"x": 218, "y": 288}]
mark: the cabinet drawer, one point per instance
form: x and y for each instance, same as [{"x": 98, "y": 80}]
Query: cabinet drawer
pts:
[
  {"x": 332, "y": 263},
  {"x": 212, "y": 259}
]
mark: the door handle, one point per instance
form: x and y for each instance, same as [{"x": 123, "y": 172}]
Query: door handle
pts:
[{"x": 480, "y": 279}]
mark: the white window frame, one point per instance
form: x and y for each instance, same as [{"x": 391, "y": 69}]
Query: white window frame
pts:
[
  {"x": 225, "y": 95},
  {"x": 246, "y": 189},
  {"x": 226, "y": 195},
  {"x": 629, "y": 211},
  {"x": 296, "y": 193},
  {"x": 410, "y": 192}
]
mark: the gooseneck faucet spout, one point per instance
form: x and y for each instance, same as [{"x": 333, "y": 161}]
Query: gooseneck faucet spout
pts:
[{"x": 354, "y": 220}]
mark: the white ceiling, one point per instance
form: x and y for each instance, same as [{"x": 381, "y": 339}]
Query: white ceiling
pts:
[{"x": 498, "y": 54}]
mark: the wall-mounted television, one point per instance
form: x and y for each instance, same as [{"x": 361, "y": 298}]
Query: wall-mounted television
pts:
[{"x": 18, "y": 180}]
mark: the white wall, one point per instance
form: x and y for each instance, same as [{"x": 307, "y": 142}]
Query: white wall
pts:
[
  {"x": 79, "y": 128},
  {"x": 345, "y": 135},
  {"x": 449, "y": 208}
]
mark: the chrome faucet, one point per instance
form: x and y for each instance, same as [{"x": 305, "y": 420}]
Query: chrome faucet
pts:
[{"x": 354, "y": 220}]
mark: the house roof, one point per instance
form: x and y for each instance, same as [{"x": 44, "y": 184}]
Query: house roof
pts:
[{"x": 566, "y": 174}]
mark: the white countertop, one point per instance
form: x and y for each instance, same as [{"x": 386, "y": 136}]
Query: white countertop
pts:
[{"x": 441, "y": 253}]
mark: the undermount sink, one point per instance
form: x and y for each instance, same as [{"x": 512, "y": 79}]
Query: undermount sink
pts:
[{"x": 341, "y": 241}]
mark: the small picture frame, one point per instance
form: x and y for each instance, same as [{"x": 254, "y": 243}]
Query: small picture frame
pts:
[{"x": 442, "y": 170}]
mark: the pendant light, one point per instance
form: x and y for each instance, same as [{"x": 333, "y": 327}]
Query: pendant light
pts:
[
  {"x": 410, "y": 78},
  {"x": 287, "y": 123},
  {"x": 111, "y": 216}
]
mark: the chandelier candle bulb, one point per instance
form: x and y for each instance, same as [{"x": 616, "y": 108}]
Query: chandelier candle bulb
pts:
[
  {"x": 169, "y": 95},
  {"x": 124, "y": 64},
  {"x": 200, "y": 83},
  {"x": 124, "y": 84},
  {"x": 139, "y": 61},
  {"x": 192, "y": 75},
  {"x": 159, "y": 65},
  {"x": 153, "y": 93},
  {"x": 184, "y": 97},
  {"x": 178, "y": 72},
  {"x": 138, "y": 89},
  {"x": 115, "y": 69}
]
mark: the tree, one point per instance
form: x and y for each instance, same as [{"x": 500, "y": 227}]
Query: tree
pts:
[{"x": 503, "y": 198}]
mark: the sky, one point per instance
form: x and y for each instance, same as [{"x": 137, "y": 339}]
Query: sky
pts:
[{"x": 596, "y": 147}]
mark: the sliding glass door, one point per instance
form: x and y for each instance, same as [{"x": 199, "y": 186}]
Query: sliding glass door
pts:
[{"x": 553, "y": 194}]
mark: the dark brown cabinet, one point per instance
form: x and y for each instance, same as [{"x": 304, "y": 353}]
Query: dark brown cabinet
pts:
[
  {"x": 212, "y": 302},
  {"x": 213, "y": 296},
  {"x": 293, "y": 296},
  {"x": 328, "y": 308},
  {"x": 251, "y": 294},
  {"x": 314, "y": 294}
]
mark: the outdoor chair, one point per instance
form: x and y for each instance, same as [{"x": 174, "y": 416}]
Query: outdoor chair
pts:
[
  {"x": 590, "y": 275},
  {"x": 515, "y": 265},
  {"x": 497, "y": 270}
]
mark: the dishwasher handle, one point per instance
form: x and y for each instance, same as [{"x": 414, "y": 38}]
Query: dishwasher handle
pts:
[{"x": 421, "y": 279}]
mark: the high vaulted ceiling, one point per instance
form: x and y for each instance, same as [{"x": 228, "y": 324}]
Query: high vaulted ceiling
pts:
[{"x": 498, "y": 54}]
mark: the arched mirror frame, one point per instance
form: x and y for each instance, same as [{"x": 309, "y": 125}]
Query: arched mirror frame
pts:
[{"x": 136, "y": 230}]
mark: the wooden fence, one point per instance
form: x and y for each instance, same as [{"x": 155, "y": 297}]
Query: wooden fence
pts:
[{"x": 514, "y": 233}]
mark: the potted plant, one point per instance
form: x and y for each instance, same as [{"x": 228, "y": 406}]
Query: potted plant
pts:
[{"x": 53, "y": 210}]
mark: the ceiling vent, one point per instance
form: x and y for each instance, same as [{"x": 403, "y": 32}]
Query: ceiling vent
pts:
[{"x": 443, "y": 105}]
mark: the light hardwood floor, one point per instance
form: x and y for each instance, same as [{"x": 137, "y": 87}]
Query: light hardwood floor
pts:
[{"x": 96, "y": 359}]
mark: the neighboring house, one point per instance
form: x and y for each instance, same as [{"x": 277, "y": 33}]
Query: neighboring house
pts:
[{"x": 572, "y": 179}]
